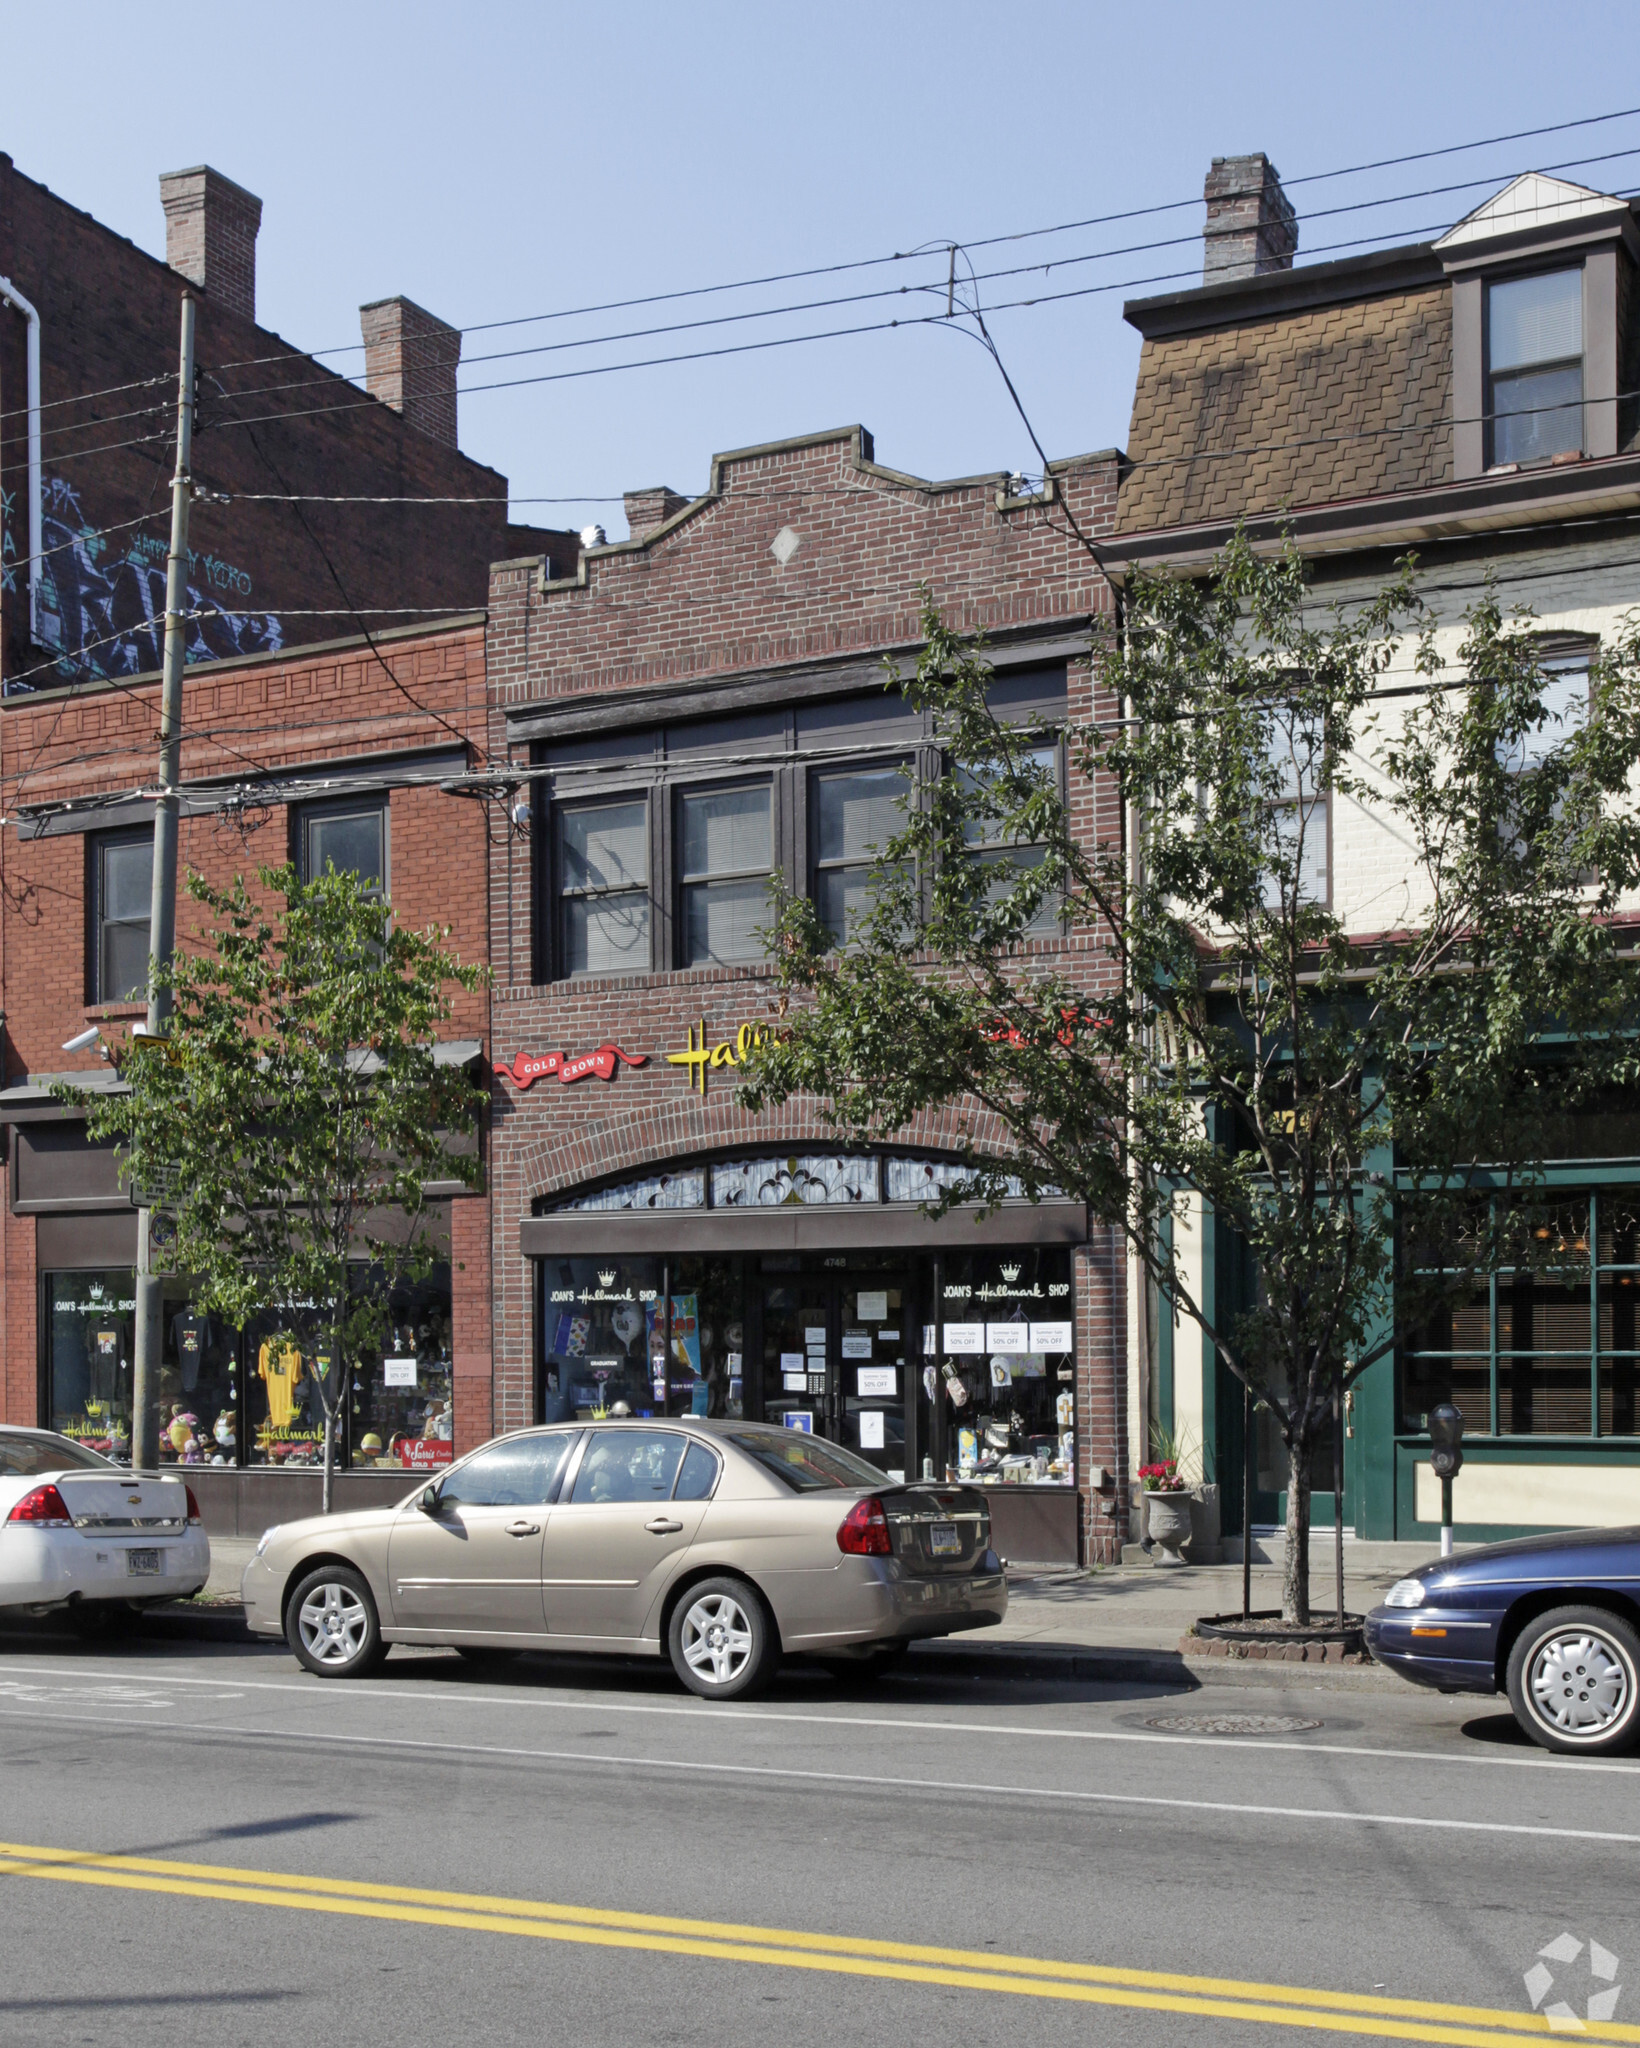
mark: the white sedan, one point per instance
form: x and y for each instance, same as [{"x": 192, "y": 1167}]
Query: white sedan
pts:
[{"x": 79, "y": 1533}]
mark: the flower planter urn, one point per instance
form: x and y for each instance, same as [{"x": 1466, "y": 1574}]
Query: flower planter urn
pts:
[{"x": 1167, "y": 1517}]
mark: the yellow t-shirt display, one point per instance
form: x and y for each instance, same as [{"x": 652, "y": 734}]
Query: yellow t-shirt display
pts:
[{"x": 279, "y": 1367}]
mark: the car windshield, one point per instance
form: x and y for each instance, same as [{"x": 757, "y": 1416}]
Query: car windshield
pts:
[
  {"x": 26, "y": 1457},
  {"x": 805, "y": 1463}
]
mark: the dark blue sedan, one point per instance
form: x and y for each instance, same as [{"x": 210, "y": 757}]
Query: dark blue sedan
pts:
[{"x": 1554, "y": 1621}]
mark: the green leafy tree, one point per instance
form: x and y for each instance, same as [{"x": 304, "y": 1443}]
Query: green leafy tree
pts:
[
  {"x": 1217, "y": 1040},
  {"x": 295, "y": 1114}
]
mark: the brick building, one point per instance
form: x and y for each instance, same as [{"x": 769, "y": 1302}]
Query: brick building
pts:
[
  {"x": 334, "y": 751},
  {"x": 694, "y": 707},
  {"x": 89, "y": 327},
  {"x": 1471, "y": 399}
]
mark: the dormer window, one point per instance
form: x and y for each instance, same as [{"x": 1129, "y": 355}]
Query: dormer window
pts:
[{"x": 1534, "y": 349}]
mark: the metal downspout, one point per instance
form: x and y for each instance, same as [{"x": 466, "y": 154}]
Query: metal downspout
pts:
[{"x": 36, "y": 540}]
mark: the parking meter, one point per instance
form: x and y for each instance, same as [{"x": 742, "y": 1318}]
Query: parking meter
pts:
[{"x": 1446, "y": 1461}]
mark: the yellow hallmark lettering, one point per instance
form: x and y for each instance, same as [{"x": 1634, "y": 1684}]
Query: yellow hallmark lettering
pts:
[{"x": 698, "y": 1056}]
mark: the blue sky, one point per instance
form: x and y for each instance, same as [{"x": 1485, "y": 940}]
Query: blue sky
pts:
[{"x": 500, "y": 160}]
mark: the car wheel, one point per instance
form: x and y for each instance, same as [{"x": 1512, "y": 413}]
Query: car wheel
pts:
[
  {"x": 722, "y": 1641},
  {"x": 331, "y": 1624},
  {"x": 1574, "y": 1681}
]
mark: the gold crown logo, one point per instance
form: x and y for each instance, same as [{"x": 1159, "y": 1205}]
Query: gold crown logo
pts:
[
  {"x": 1010, "y": 1274},
  {"x": 606, "y": 1279}
]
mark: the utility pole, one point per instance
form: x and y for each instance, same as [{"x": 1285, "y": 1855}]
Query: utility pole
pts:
[{"x": 162, "y": 917}]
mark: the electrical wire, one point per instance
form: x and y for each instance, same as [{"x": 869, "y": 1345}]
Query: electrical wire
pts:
[
  {"x": 979, "y": 242},
  {"x": 941, "y": 247}
]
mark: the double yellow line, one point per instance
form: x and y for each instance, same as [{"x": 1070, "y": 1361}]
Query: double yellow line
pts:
[{"x": 1337, "y": 2012}]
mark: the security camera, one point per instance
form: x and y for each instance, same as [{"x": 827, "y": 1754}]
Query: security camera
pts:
[{"x": 82, "y": 1041}]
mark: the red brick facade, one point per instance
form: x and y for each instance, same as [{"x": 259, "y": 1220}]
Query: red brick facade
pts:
[
  {"x": 272, "y": 422},
  {"x": 723, "y": 598},
  {"x": 272, "y": 733}
]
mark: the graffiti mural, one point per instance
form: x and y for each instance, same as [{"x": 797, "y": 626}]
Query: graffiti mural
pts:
[{"x": 102, "y": 600}]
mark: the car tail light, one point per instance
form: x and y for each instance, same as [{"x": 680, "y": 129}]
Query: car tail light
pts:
[
  {"x": 195, "y": 1518},
  {"x": 44, "y": 1507},
  {"x": 864, "y": 1530}
]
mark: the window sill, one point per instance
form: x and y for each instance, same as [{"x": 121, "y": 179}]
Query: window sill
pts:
[{"x": 113, "y": 1013}]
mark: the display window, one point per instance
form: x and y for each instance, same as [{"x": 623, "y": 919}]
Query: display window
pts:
[
  {"x": 1000, "y": 1371},
  {"x": 89, "y": 1324},
  {"x": 229, "y": 1397},
  {"x": 402, "y": 1405},
  {"x": 955, "y": 1365},
  {"x": 642, "y": 1336}
]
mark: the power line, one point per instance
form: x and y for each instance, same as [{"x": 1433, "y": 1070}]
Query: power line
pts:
[
  {"x": 939, "y": 246},
  {"x": 979, "y": 242}
]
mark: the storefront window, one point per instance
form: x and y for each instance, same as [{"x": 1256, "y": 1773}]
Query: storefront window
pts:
[
  {"x": 642, "y": 1336},
  {"x": 1003, "y": 1375},
  {"x": 227, "y": 1398},
  {"x": 1547, "y": 1347},
  {"x": 403, "y": 1398},
  {"x": 88, "y": 1364},
  {"x": 198, "y": 1385}
]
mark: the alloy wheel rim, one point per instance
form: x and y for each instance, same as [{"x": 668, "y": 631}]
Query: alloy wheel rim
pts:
[
  {"x": 333, "y": 1624},
  {"x": 717, "y": 1639},
  {"x": 1580, "y": 1685}
]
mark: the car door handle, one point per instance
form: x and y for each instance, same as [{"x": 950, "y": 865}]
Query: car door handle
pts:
[
  {"x": 661, "y": 1527},
  {"x": 523, "y": 1528}
]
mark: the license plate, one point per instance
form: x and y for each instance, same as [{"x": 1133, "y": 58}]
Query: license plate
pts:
[
  {"x": 945, "y": 1539},
  {"x": 143, "y": 1564}
]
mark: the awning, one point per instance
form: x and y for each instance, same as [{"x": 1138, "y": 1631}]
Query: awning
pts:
[{"x": 816, "y": 1227}]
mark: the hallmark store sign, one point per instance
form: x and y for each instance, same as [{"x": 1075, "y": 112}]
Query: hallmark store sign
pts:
[{"x": 699, "y": 1056}]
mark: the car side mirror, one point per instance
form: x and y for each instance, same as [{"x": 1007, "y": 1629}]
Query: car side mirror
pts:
[{"x": 429, "y": 1502}]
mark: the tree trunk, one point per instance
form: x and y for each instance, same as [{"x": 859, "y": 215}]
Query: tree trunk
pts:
[{"x": 1295, "y": 1570}]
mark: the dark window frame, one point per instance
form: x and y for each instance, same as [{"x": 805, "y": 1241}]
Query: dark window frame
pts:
[
  {"x": 682, "y": 880},
  {"x": 993, "y": 850},
  {"x": 556, "y": 964},
  {"x": 96, "y": 845},
  {"x": 911, "y": 761},
  {"x": 304, "y": 814},
  {"x": 1489, "y": 378}
]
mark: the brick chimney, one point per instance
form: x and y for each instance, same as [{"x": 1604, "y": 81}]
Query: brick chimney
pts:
[
  {"x": 410, "y": 363},
  {"x": 210, "y": 235},
  {"x": 645, "y": 510},
  {"x": 1251, "y": 227}
]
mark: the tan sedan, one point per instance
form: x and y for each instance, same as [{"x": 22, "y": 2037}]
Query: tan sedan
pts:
[{"x": 719, "y": 1544}]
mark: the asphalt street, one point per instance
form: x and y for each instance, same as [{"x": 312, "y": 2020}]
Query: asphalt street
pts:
[{"x": 203, "y": 1844}]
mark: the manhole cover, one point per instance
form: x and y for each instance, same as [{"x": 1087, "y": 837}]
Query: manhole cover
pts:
[{"x": 1233, "y": 1724}]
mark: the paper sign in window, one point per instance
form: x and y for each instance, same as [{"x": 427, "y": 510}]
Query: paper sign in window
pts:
[
  {"x": 871, "y": 1429},
  {"x": 878, "y": 1381},
  {"x": 873, "y": 1308},
  {"x": 814, "y": 1338},
  {"x": 792, "y": 1361},
  {"x": 1051, "y": 1337},
  {"x": 856, "y": 1343},
  {"x": 398, "y": 1372},
  {"x": 1007, "y": 1337},
  {"x": 964, "y": 1337}
]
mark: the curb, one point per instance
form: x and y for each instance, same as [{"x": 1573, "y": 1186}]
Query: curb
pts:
[
  {"x": 1191, "y": 1666},
  {"x": 1272, "y": 1653}
]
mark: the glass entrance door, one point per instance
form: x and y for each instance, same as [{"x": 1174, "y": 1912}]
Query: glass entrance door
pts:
[{"x": 836, "y": 1341}]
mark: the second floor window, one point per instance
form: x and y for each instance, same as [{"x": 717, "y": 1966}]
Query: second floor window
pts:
[
  {"x": 350, "y": 838},
  {"x": 1006, "y": 857},
  {"x": 1534, "y": 351},
  {"x": 603, "y": 881},
  {"x": 1300, "y": 821},
  {"x": 726, "y": 851},
  {"x": 857, "y": 814},
  {"x": 122, "y": 883}
]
